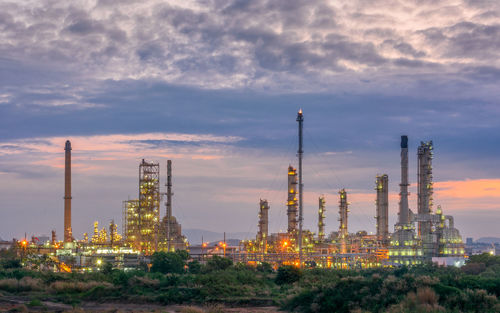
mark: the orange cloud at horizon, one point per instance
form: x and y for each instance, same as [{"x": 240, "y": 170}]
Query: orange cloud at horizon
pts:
[{"x": 478, "y": 188}]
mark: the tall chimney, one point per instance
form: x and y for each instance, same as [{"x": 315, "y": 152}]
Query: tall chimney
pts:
[
  {"x": 300, "y": 152},
  {"x": 403, "y": 202},
  {"x": 68, "y": 235}
]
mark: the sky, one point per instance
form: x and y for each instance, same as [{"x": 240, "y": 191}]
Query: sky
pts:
[{"x": 215, "y": 86}]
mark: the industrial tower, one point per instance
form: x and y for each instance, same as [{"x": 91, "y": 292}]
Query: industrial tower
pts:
[
  {"x": 343, "y": 210},
  {"x": 292, "y": 202},
  {"x": 382, "y": 202},
  {"x": 171, "y": 237},
  {"x": 321, "y": 219},
  {"x": 300, "y": 152},
  {"x": 263, "y": 232},
  {"x": 405, "y": 247},
  {"x": 425, "y": 190},
  {"x": 149, "y": 206},
  {"x": 68, "y": 233}
]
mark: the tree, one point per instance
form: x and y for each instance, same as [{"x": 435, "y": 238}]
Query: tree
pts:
[
  {"x": 218, "y": 263},
  {"x": 288, "y": 274},
  {"x": 167, "y": 262},
  {"x": 194, "y": 267}
]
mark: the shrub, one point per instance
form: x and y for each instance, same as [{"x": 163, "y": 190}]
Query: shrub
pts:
[
  {"x": 265, "y": 267},
  {"x": 75, "y": 287},
  {"x": 218, "y": 263},
  {"x": 191, "y": 309},
  {"x": 167, "y": 262},
  {"x": 288, "y": 275},
  {"x": 11, "y": 263},
  {"x": 194, "y": 267}
]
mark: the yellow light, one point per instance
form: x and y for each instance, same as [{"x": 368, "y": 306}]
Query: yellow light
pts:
[{"x": 99, "y": 261}]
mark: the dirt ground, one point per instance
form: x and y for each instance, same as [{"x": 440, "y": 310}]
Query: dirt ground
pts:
[{"x": 17, "y": 304}]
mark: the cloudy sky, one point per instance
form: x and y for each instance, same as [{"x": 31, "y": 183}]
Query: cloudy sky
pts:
[{"x": 215, "y": 86}]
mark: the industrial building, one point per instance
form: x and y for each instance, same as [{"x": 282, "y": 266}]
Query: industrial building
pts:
[
  {"x": 425, "y": 236},
  {"x": 142, "y": 227},
  {"x": 435, "y": 238}
]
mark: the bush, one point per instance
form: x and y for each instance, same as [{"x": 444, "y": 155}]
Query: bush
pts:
[
  {"x": 167, "y": 262},
  {"x": 11, "y": 263},
  {"x": 288, "y": 274},
  {"x": 265, "y": 267},
  {"x": 194, "y": 267},
  {"x": 218, "y": 263}
]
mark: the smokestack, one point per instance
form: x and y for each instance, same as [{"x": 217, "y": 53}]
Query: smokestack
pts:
[
  {"x": 300, "y": 152},
  {"x": 68, "y": 235},
  {"x": 403, "y": 202},
  {"x": 382, "y": 187}
]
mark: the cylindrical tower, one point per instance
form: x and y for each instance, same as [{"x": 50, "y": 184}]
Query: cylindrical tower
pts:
[
  {"x": 382, "y": 202},
  {"x": 292, "y": 201},
  {"x": 425, "y": 188},
  {"x": 403, "y": 202},
  {"x": 169, "y": 203},
  {"x": 68, "y": 234},
  {"x": 343, "y": 210},
  {"x": 300, "y": 152},
  {"x": 321, "y": 219},
  {"x": 263, "y": 225}
]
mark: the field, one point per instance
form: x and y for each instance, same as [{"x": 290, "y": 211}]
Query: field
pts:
[{"x": 221, "y": 286}]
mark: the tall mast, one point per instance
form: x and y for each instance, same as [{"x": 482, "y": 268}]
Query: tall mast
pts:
[{"x": 300, "y": 119}]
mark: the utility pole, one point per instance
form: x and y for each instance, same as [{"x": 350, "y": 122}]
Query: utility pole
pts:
[{"x": 300, "y": 119}]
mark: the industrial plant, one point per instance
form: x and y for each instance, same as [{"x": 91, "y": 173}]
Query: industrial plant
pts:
[{"x": 426, "y": 235}]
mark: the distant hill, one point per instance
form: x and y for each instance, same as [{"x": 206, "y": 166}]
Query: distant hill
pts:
[
  {"x": 489, "y": 240},
  {"x": 194, "y": 236}
]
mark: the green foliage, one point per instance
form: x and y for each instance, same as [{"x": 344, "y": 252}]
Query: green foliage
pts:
[
  {"x": 216, "y": 263},
  {"x": 425, "y": 288},
  {"x": 194, "y": 267},
  {"x": 265, "y": 267},
  {"x": 35, "y": 303},
  {"x": 11, "y": 263},
  {"x": 107, "y": 268},
  {"x": 183, "y": 254},
  {"x": 288, "y": 274},
  {"x": 167, "y": 262}
]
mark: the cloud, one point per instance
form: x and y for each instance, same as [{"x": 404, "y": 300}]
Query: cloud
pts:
[{"x": 263, "y": 44}]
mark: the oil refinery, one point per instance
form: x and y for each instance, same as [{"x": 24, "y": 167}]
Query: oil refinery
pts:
[{"x": 420, "y": 236}]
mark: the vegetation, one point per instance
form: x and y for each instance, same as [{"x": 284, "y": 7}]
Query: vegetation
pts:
[{"x": 176, "y": 280}]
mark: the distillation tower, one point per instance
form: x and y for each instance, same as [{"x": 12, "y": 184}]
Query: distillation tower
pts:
[
  {"x": 343, "y": 210},
  {"x": 292, "y": 202},
  {"x": 263, "y": 232},
  {"x": 425, "y": 191},
  {"x": 149, "y": 206},
  {"x": 382, "y": 204},
  {"x": 321, "y": 219}
]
